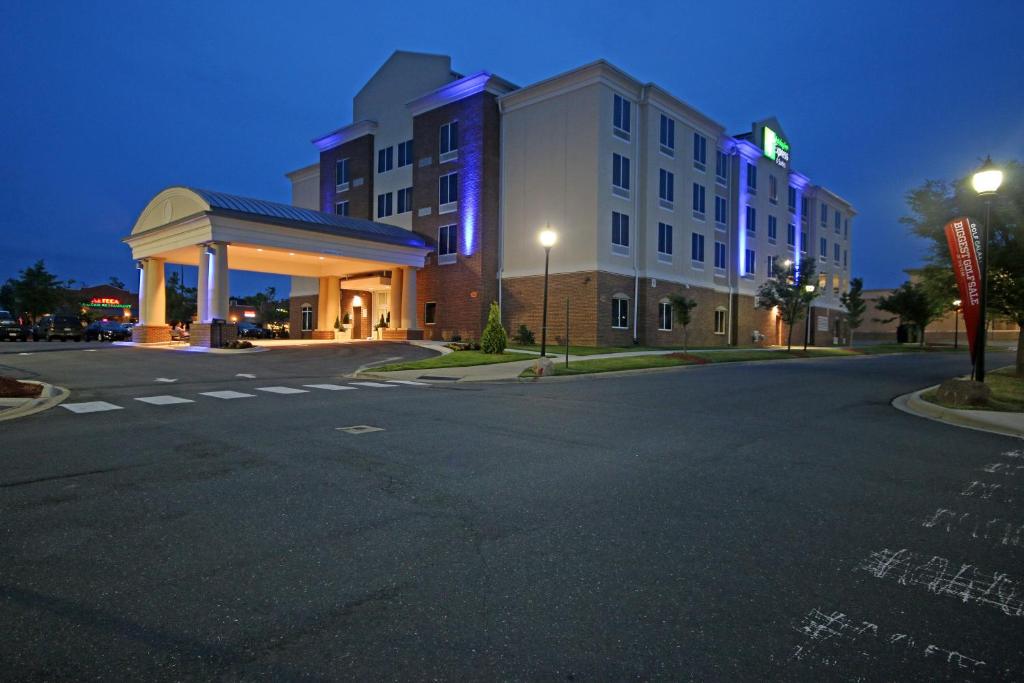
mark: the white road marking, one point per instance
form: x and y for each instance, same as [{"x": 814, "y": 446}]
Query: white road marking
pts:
[
  {"x": 330, "y": 387},
  {"x": 282, "y": 390},
  {"x": 89, "y": 350},
  {"x": 166, "y": 380},
  {"x": 164, "y": 400},
  {"x": 375, "y": 385},
  {"x": 90, "y": 407},
  {"x": 25, "y": 353},
  {"x": 359, "y": 429},
  {"x": 246, "y": 375},
  {"x": 226, "y": 394},
  {"x": 408, "y": 382}
]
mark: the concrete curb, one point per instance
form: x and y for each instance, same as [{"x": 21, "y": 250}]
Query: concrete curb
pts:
[
  {"x": 51, "y": 397},
  {"x": 991, "y": 421}
]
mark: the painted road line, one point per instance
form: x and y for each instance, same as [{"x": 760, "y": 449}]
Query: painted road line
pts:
[
  {"x": 166, "y": 380},
  {"x": 246, "y": 375},
  {"x": 281, "y": 390},
  {"x": 164, "y": 400},
  {"x": 408, "y": 382},
  {"x": 226, "y": 394},
  {"x": 90, "y": 407},
  {"x": 375, "y": 385},
  {"x": 330, "y": 387}
]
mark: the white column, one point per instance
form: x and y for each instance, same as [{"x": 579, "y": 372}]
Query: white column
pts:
[
  {"x": 322, "y": 323},
  {"x": 142, "y": 293},
  {"x": 219, "y": 304},
  {"x": 154, "y": 293},
  {"x": 398, "y": 319},
  {"x": 203, "y": 287},
  {"x": 409, "y": 300}
]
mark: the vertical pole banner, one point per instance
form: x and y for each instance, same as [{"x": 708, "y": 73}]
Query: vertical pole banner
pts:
[{"x": 963, "y": 240}]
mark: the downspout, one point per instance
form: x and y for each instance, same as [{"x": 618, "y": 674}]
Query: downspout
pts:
[{"x": 501, "y": 202}]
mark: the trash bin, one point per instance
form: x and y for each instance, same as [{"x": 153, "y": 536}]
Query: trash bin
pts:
[{"x": 216, "y": 333}]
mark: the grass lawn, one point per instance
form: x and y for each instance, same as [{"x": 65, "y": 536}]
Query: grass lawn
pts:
[
  {"x": 581, "y": 367},
  {"x": 556, "y": 350},
  {"x": 1007, "y": 393},
  {"x": 453, "y": 360}
]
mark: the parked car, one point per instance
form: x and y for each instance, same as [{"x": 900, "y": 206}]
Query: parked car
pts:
[
  {"x": 248, "y": 330},
  {"x": 61, "y": 327},
  {"x": 11, "y": 328},
  {"x": 106, "y": 330}
]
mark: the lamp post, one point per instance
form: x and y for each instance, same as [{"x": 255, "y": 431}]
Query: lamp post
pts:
[
  {"x": 807, "y": 331},
  {"x": 956, "y": 323},
  {"x": 986, "y": 182},
  {"x": 547, "y": 240}
]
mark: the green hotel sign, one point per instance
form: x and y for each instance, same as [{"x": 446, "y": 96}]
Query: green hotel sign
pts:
[{"x": 775, "y": 148}]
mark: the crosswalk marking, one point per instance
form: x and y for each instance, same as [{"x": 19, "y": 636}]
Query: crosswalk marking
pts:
[
  {"x": 90, "y": 407},
  {"x": 282, "y": 390},
  {"x": 375, "y": 385},
  {"x": 246, "y": 375},
  {"x": 330, "y": 387},
  {"x": 226, "y": 394},
  {"x": 166, "y": 380},
  {"x": 408, "y": 382},
  {"x": 164, "y": 400}
]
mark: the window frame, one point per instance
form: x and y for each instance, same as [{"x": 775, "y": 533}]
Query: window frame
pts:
[
  {"x": 620, "y": 248},
  {"x": 621, "y": 114},
  {"x": 446, "y": 138},
  {"x": 751, "y": 226},
  {"x": 773, "y": 229},
  {"x": 667, "y": 136},
  {"x": 341, "y": 169},
  {"x": 621, "y": 169},
  {"x": 385, "y": 159},
  {"x": 721, "y": 249},
  {"x": 720, "y": 315},
  {"x": 697, "y": 250},
  {"x": 447, "y": 244},
  {"x": 389, "y": 204},
  {"x": 620, "y": 300},
  {"x": 700, "y": 152},
  {"x": 303, "y": 311},
  {"x": 404, "y": 148},
  {"x": 664, "y": 313},
  {"x": 666, "y": 189},
  {"x": 338, "y": 205},
  {"x": 444, "y": 181},
  {"x": 699, "y": 204},
  {"x": 665, "y": 242},
  {"x": 430, "y": 307},
  {"x": 405, "y": 192}
]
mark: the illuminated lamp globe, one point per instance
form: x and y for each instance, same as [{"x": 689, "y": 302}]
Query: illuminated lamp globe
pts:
[
  {"x": 987, "y": 179},
  {"x": 548, "y": 238},
  {"x": 956, "y": 303},
  {"x": 809, "y": 288}
]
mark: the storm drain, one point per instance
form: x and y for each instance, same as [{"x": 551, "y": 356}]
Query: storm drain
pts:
[{"x": 359, "y": 429}]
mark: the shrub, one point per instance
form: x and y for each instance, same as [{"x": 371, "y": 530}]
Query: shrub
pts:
[
  {"x": 494, "y": 339},
  {"x": 524, "y": 336}
]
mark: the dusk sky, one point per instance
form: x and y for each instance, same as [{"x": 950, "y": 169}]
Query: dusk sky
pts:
[{"x": 106, "y": 103}]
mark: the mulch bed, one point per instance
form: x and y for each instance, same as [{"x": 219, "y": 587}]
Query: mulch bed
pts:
[
  {"x": 689, "y": 357},
  {"x": 12, "y": 388}
]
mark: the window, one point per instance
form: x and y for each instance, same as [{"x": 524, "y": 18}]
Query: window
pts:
[
  {"x": 620, "y": 175},
  {"x": 404, "y": 153},
  {"x": 666, "y": 188},
  {"x": 749, "y": 262},
  {"x": 307, "y": 317},
  {"x": 846, "y": 228},
  {"x": 791, "y": 235},
  {"x": 447, "y": 244},
  {"x": 835, "y": 284},
  {"x": 773, "y": 189},
  {"x": 803, "y": 241},
  {"x": 698, "y": 201},
  {"x": 620, "y": 312},
  {"x": 824, "y": 215},
  {"x": 792, "y": 200},
  {"x": 664, "y": 316},
  {"x": 835, "y": 252},
  {"x": 620, "y": 233},
  {"x": 341, "y": 174},
  {"x": 384, "y": 204},
  {"x": 751, "y": 178},
  {"x": 430, "y": 313},
  {"x": 668, "y": 135},
  {"x": 773, "y": 229},
  {"x": 823, "y": 248},
  {"x": 341, "y": 208},
  {"x": 721, "y": 211},
  {"x": 697, "y": 248},
  {"x": 771, "y": 266},
  {"x": 803, "y": 210},
  {"x": 844, "y": 258},
  {"x": 719, "y": 321},
  {"x": 665, "y": 242},
  {"x": 822, "y": 282},
  {"x": 405, "y": 200},
  {"x": 449, "y": 141},
  {"x": 838, "y": 223},
  {"x": 385, "y": 159},
  {"x": 700, "y": 151},
  {"x": 751, "y": 220},
  {"x": 720, "y": 256},
  {"x": 620, "y": 117},
  {"x": 721, "y": 168},
  {"x": 448, "y": 193}
]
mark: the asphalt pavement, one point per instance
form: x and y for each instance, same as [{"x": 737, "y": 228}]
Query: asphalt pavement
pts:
[{"x": 777, "y": 520}]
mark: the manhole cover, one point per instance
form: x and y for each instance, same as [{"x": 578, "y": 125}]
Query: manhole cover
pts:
[{"x": 359, "y": 429}]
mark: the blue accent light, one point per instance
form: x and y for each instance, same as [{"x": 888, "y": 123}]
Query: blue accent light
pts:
[{"x": 470, "y": 181}]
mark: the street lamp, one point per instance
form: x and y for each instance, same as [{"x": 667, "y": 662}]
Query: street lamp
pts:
[
  {"x": 956, "y": 323},
  {"x": 547, "y": 240},
  {"x": 986, "y": 182},
  {"x": 807, "y": 328}
]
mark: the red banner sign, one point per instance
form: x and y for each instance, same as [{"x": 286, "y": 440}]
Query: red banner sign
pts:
[{"x": 963, "y": 240}]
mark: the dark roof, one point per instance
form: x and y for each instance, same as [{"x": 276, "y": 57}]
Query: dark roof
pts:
[{"x": 307, "y": 219}]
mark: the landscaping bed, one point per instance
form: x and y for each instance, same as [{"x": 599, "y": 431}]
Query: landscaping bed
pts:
[
  {"x": 12, "y": 388},
  {"x": 1007, "y": 393},
  {"x": 455, "y": 359}
]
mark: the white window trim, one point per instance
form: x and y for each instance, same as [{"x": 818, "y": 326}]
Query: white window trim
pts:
[
  {"x": 621, "y": 297},
  {"x": 725, "y": 321},
  {"x": 452, "y": 154},
  {"x": 665, "y": 302}
]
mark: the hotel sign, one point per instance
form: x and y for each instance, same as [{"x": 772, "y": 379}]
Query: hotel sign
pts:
[{"x": 775, "y": 148}]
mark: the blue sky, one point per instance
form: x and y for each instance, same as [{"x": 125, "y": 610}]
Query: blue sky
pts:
[{"x": 108, "y": 103}]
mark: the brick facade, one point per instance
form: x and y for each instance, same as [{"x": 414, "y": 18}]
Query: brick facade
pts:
[
  {"x": 295, "y": 305},
  {"x": 359, "y": 152}
]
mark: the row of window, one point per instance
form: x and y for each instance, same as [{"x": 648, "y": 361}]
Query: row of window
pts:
[
  {"x": 621, "y": 313},
  {"x": 448, "y": 143},
  {"x": 447, "y": 197},
  {"x": 306, "y": 315}
]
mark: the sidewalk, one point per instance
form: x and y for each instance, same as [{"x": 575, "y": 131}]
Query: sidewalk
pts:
[{"x": 992, "y": 421}]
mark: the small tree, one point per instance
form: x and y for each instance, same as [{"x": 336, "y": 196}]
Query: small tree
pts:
[
  {"x": 911, "y": 303},
  {"x": 115, "y": 281},
  {"x": 524, "y": 336},
  {"x": 494, "y": 339},
  {"x": 682, "y": 307},
  {"x": 787, "y": 289},
  {"x": 180, "y": 300},
  {"x": 38, "y": 291},
  {"x": 853, "y": 302}
]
